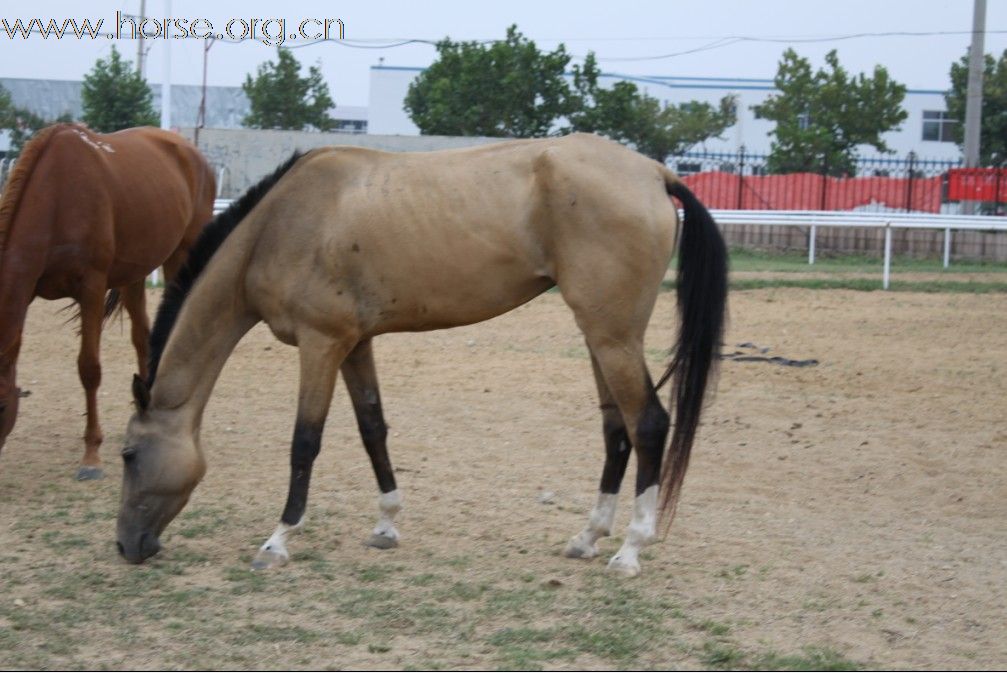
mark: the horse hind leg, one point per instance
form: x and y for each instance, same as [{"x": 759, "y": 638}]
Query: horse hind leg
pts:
[
  {"x": 89, "y": 368},
  {"x": 361, "y": 381},
  {"x": 320, "y": 359},
  {"x": 647, "y": 425},
  {"x": 617, "y": 449}
]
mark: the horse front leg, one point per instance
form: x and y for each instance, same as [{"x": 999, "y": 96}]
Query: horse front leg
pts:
[
  {"x": 89, "y": 367},
  {"x": 320, "y": 358}
]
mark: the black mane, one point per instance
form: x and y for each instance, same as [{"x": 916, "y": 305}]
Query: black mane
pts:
[{"x": 200, "y": 255}]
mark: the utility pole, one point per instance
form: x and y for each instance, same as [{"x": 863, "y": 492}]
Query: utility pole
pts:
[
  {"x": 974, "y": 95},
  {"x": 201, "y": 117},
  {"x": 139, "y": 39},
  {"x": 166, "y": 81}
]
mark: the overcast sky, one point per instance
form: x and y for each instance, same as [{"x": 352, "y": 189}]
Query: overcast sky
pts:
[{"x": 612, "y": 29}]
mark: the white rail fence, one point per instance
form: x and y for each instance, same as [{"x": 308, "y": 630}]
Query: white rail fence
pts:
[
  {"x": 815, "y": 219},
  {"x": 887, "y": 221}
]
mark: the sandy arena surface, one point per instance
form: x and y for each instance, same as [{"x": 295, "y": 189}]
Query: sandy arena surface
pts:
[{"x": 856, "y": 508}]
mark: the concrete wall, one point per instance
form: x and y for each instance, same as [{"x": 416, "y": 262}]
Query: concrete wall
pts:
[{"x": 248, "y": 154}]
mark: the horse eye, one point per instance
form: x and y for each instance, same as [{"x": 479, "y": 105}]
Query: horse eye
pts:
[{"x": 128, "y": 454}]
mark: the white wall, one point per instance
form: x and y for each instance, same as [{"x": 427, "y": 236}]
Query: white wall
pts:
[{"x": 390, "y": 84}]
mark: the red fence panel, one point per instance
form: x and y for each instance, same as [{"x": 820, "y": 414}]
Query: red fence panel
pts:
[
  {"x": 977, "y": 184},
  {"x": 809, "y": 191}
]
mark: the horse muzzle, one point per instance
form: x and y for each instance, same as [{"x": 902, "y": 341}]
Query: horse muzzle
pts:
[{"x": 138, "y": 549}]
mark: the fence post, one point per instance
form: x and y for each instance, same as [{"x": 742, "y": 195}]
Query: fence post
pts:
[
  {"x": 825, "y": 182},
  {"x": 909, "y": 182},
  {"x": 996, "y": 194},
  {"x": 811, "y": 245},
  {"x": 888, "y": 255},
  {"x": 947, "y": 247},
  {"x": 741, "y": 175}
]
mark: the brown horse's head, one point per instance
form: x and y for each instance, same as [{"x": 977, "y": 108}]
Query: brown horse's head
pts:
[
  {"x": 162, "y": 465},
  {"x": 9, "y": 396}
]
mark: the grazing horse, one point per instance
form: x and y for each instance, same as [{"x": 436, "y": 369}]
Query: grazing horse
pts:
[
  {"x": 343, "y": 244},
  {"x": 86, "y": 213}
]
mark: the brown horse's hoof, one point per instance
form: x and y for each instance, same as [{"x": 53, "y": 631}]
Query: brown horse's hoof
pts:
[{"x": 90, "y": 473}]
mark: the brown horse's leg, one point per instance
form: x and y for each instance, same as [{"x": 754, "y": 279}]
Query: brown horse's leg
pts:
[
  {"x": 362, "y": 383},
  {"x": 134, "y": 299},
  {"x": 617, "y": 449},
  {"x": 321, "y": 357},
  {"x": 89, "y": 368}
]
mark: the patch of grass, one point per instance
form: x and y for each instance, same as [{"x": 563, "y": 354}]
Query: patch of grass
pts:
[
  {"x": 511, "y": 636},
  {"x": 720, "y": 654},
  {"x": 867, "y": 285},
  {"x": 269, "y": 633},
  {"x": 797, "y": 262},
  {"x": 810, "y": 659},
  {"x": 714, "y": 628},
  {"x": 245, "y": 581},
  {"x": 375, "y": 573}
]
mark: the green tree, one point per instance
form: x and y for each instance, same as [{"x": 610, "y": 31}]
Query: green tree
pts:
[
  {"x": 993, "y": 131},
  {"x": 624, "y": 113},
  {"x": 821, "y": 117},
  {"x": 115, "y": 96},
  {"x": 506, "y": 88},
  {"x": 21, "y": 122},
  {"x": 281, "y": 99}
]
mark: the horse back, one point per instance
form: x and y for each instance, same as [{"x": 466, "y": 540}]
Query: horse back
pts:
[{"x": 123, "y": 202}]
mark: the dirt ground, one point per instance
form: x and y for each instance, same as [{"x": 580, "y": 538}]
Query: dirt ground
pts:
[{"x": 852, "y": 513}]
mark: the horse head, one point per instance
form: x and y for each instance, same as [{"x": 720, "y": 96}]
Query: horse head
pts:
[{"x": 162, "y": 464}]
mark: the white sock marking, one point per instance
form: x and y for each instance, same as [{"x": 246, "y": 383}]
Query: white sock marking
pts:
[
  {"x": 389, "y": 504},
  {"x": 599, "y": 524},
  {"x": 277, "y": 542},
  {"x": 642, "y": 531}
]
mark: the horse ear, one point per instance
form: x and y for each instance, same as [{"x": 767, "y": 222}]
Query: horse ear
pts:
[{"x": 141, "y": 393}]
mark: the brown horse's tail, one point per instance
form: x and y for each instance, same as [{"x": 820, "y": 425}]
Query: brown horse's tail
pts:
[
  {"x": 702, "y": 305},
  {"x": 113, "y": 304}
]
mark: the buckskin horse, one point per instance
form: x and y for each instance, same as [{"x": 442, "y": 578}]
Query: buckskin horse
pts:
[
  {"x": 343, "y": 244},
  {"x": 84, "y": 214}
]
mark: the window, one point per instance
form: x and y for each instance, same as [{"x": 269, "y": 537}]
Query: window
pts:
[
  {"x": 804, "y": 121},
  {"x": 938, "y": 127}
]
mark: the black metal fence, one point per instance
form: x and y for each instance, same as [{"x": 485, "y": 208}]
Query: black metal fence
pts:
[{"x": 742, "y": 181}]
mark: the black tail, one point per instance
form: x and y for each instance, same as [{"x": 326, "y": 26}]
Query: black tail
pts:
[
  {"x": 702, "y": 304},
  {"x": 213, "y": 236}
]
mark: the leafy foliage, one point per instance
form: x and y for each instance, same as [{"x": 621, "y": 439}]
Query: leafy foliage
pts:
[
  {"x": 625, "y": 114},
  {"x": 21, "y": 122},
  {"x": 115, "y": 96},
  {"x": 507, "y": 88},
  {"x": 993, "y": 134},
  {"x": 281, "y": 99},
  {"x": 510, "y": 88},
  {"x": 821, "y": 117}
]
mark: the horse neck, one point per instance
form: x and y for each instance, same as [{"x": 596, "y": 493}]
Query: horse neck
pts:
[{"x": 211, "y": 322}]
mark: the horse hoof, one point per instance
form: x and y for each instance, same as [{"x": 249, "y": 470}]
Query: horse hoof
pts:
[
  {"x": 622, "y": 567},
  {"x": 577, "y": 549},
  {"x": 382, "y": 542},
  {"x": 90, "y": 473},
  {"x": 269, "y": 558}
]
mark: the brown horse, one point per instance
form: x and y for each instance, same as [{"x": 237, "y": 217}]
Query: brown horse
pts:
[
  {"x": 84, "y": 213},
  {"x": 344, "y": 244}
]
